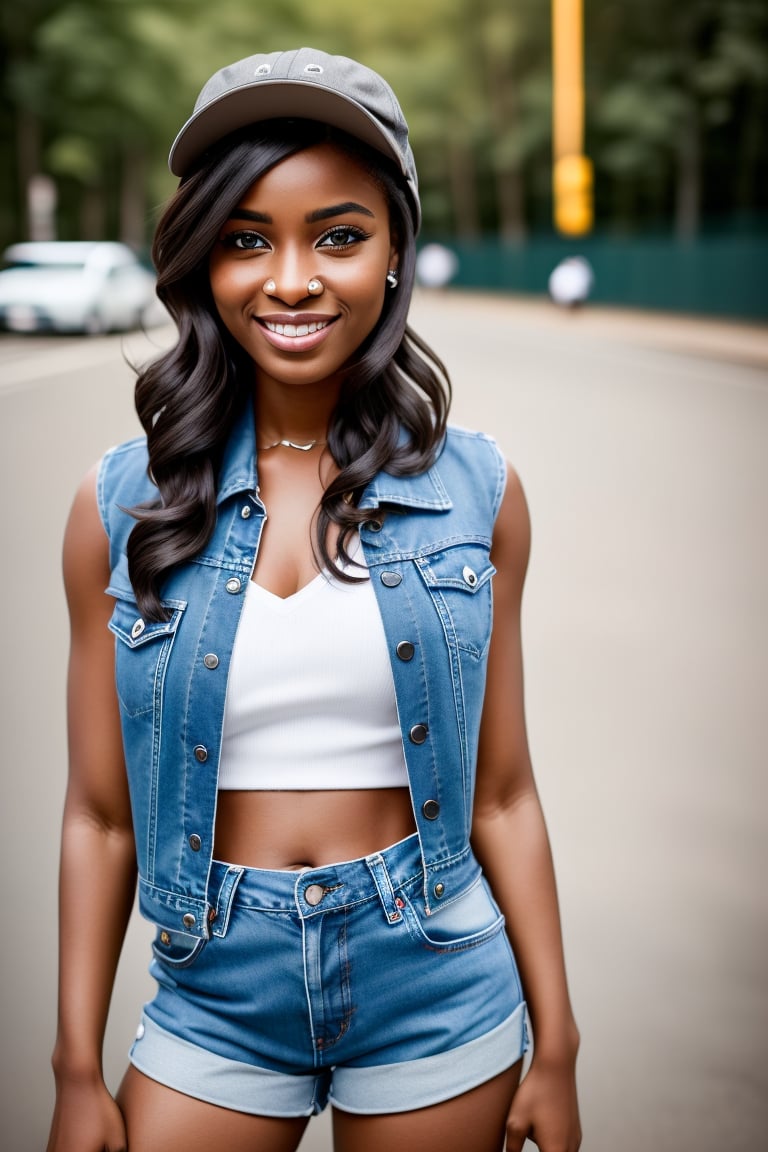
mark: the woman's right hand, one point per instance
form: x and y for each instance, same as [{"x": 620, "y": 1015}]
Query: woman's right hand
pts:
[{"x": 86, "y": 1119}]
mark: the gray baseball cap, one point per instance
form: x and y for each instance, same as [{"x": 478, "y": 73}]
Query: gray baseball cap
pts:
[{"x": 304, "y": 84}]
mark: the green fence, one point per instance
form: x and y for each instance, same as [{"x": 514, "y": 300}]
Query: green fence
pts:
[{"x": 716, "y": 275}]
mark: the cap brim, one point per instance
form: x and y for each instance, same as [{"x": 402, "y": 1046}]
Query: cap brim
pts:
[{"x": 270, "y": 100}]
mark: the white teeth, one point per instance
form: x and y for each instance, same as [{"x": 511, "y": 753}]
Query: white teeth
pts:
[{"x": 295, "y": 329}]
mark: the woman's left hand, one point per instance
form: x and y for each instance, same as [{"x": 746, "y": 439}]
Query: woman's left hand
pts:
[{"x": 545, "y": 1109}]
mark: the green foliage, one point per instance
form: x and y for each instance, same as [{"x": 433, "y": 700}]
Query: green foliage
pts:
[{"x": 677, "y": 100}]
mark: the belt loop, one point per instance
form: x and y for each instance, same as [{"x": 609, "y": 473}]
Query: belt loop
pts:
[
  {"x": 381, "y": 879},
  {"x": 219, "y": 913}
]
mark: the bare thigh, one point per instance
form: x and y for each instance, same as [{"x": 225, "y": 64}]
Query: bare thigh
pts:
[
  {"x": 159, "y": 1119},
  {"x": 475, "y": 1120}
]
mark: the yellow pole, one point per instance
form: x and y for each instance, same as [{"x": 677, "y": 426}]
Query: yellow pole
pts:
[{"x": 572, "y": 171}]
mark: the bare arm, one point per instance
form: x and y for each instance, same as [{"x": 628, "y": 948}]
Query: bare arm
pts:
[
  {"x": 510, "y": 840},
  {"x": 98, "y": 870}
]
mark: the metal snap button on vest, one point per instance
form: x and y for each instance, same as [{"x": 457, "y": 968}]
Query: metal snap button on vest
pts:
[
  {"x": 405, "y": 650},
  {"x": 314, "y": 894},
  {"x": 374, "y": 525},
  {"x": 211, "y": 660},
  {"x": 201, "y": 753},
  {"x": 234, "y": 585},
  {"x": 418, "y": 733},
  {"x": 430, "y": 809},
  {"x": 391, "y": 579},
  {"x": 245, "y": 512},
  {"x": 165, "y": 938},
  {"x": 188, "y": 920},
  {"x": 439, "y": 889},
  {"x": 470, "y": 577},
  {"x": 137, "y": 629},
  {"x": 195, "y": 843}
]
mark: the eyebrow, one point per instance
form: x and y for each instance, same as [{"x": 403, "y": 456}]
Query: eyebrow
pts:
[
  {"x": 338, "y": 210},
  {"x": 311, "y": 217}
]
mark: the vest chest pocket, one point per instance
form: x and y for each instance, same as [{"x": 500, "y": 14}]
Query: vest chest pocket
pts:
[
  {"x": 459, "y": 580},
  {"x": 141, "y": 654}
]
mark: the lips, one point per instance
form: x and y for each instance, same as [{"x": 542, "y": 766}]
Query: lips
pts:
[
  {"x": 295, "y": 332},
  {"x": 295, "y": 329}
]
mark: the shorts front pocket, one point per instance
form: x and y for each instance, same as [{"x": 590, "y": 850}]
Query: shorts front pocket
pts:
[
  {"x": 176, "y": 949},
  {"x": 469, "y": 920}
]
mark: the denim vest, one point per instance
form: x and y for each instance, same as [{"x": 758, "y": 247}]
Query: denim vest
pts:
[{"x": 426, "y": 544}]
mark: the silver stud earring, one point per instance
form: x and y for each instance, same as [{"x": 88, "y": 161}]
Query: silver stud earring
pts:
[
  {"x": 269, "y": 287},
  {"x": 315, "y": 287},
  {"x": 392, "y": 278}
]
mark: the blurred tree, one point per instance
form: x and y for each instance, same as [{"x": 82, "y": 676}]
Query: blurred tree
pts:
[
  {"x": 665, "y": 82},
  {"x": 677, "y": 102},
  {"x": 23, "y": 111}
]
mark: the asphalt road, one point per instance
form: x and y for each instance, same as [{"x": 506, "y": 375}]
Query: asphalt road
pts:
[{"x": 643, "y": 447}]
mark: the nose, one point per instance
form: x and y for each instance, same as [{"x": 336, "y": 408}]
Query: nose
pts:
[{"x": 288, "y": 279}]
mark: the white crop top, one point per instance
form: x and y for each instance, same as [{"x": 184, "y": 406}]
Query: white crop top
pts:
[{"x": 311, "y": 699}]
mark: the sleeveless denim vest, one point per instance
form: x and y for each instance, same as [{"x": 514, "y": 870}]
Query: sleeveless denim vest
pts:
[{"x": 427, "y": 547}]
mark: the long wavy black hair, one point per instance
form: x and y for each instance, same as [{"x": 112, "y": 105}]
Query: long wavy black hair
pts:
[{"x": 189, "y": 397}]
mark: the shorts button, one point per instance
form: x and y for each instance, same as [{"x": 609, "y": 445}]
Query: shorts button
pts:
[
  {"x": 314, "y": 894},
  {"x": 188, "y": 920},
  {"x": 439, "y": 889},
  {"x": 405, "y": 650},
  {"x": 430, "y": 809},
  {"x": 211, "y": 660},
  {"x": 418, "y": 733},
  {"x": 195, "y": 843},
  {"x": 234, "y": 585}
]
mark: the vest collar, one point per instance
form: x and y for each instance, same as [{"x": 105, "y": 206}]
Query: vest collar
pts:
[
  {"x": 238, "y": 467},
  {"x": 425, "y": 491},
  {"x": 238, "y": 474}
]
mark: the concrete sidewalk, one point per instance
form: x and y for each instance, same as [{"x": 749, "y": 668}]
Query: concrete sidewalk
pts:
[{"x": 708, "y": 337}]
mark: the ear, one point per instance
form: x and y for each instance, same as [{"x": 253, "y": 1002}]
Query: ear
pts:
[{"x": 394, "y": 249}]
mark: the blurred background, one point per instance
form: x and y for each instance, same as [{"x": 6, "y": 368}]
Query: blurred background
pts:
[
  {"x": 613, "y": 152},
  {"x": 675, "y": 121}
]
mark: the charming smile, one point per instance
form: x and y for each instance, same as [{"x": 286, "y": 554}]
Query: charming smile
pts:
[
  {"x": 296, "y": 329},
  {"x": 295, "y": 332}
]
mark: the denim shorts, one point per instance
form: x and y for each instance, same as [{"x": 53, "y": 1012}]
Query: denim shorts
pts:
[{"x": 331, "y": 984}]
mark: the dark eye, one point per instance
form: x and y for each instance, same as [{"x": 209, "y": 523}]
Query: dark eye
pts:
[
  {"x": 245, "y": 241},
  {"x": 343, "y": 236}
]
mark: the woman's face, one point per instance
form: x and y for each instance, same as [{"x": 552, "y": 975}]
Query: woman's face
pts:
[{"x": 317, "y": 215}]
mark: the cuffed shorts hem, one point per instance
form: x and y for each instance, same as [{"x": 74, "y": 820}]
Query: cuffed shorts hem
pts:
[
  {"x": 214, "y": 1079},
  {"x": 380, "y": 1089},
  {"x": 411, "y": 1084}
]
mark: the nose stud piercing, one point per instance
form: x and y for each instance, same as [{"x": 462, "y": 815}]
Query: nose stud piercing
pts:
[
  {"x": 392, "y": 278},
  {"x": 315, "y": 287}
]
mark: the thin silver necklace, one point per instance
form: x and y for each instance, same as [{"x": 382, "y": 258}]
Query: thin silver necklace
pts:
[{"x": 292, "y": 444}]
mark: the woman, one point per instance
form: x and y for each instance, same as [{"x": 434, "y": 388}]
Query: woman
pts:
[{"x": 295, "y": 705}]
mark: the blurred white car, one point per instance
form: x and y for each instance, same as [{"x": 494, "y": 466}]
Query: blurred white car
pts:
[{"x": 74, "y": 286}]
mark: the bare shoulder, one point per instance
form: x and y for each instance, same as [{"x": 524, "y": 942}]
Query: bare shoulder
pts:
[
  {"x": 512, "y": 530},
  {"x": 86, "y": 549}
]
